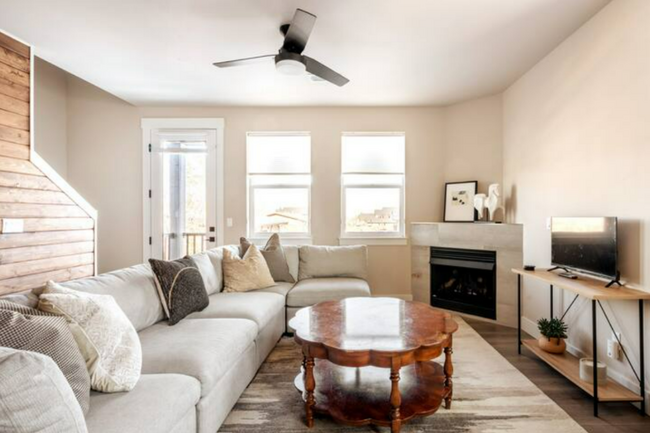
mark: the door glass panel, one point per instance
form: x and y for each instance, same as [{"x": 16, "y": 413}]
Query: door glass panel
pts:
[{"x": 184, "y": 198}]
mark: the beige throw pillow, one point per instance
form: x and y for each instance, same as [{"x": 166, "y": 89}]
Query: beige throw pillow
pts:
[
  {"x": 248, "y": 273},
  {"x": 105, "y": 336}
]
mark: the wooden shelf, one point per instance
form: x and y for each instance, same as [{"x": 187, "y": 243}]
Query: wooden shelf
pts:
[
  {"x": 590, "y": 288},
  {"x": 569, "y": 366}
]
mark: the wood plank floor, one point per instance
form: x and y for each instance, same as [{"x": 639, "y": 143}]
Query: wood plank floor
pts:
[{"x": 613, "y": 417}]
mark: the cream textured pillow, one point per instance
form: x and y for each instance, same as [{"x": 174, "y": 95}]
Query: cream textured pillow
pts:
[
  {"x": 106, "y": 338},
  {"x": 248, "y": 273}
]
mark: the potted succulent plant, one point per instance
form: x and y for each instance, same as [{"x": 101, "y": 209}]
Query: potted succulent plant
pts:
[{"x": 553, "y": 334}]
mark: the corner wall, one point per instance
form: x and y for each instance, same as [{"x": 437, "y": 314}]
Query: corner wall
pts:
[{"x": 577, "y": 143}]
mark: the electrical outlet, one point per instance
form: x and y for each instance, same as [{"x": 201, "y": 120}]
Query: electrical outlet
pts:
[
  {"x": 548, "y": 223},
  {"x": 12, "y": 225},
  {"x": 228, "y": 222},
  {"x": 613, "y": 347}
]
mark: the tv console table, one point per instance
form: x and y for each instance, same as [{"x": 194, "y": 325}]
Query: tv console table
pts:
[{"x": 567, "y": 364}]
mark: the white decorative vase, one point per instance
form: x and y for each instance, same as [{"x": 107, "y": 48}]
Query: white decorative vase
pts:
[{"x": 587, "y": 371}]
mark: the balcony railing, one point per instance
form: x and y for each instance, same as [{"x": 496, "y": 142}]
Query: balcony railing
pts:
[{"x": 192, "y": 243}]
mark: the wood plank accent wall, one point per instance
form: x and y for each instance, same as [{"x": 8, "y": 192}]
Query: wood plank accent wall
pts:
[{"x": 58, "y": 242}]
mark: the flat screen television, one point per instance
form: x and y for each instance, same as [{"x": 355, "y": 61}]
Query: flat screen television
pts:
[{"x": 586, "y": 245}]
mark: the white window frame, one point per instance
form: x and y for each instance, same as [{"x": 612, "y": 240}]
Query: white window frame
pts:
[
  {"x": 153, "y": 125},
  {"x": 373, "y": 238},
  {"x": 287, "y": 238}
]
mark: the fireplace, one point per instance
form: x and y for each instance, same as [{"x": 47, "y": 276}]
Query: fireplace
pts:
[{"x": 464, "y": 280}]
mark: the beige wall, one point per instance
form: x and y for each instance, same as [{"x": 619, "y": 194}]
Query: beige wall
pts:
[
  {"x": 105, "y": 165},
  {"x": 389, "y": 265},
  {"x": 473, "y": 141},
  {"x": 50, "y": 114},
  {"x": 577, "y": 143}
]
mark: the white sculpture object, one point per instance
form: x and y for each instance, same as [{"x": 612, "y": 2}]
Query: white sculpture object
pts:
[
  {"x": 493, "y": 202},
  {"x": 479, "y": 204}
]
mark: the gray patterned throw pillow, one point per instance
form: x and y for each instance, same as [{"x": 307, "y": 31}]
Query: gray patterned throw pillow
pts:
[
  {"x": 274, "y": 256},
  {"x": 25, "y": 328},
  {"x": 180, "y": 287}
]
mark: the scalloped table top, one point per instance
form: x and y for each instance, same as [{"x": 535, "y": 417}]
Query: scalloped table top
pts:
[{"x": 373, "y": 324}]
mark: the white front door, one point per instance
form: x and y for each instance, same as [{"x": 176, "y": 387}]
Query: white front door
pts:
[{"x": 183, "y": 192}]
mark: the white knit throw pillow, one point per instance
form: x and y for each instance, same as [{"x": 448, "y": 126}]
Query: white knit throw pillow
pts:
[{"x": 106, "y": 338}]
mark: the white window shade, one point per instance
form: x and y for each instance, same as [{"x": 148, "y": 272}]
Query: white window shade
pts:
[
  {"x": 278, "y": 154},
  {"x": 379, "y": 153}
]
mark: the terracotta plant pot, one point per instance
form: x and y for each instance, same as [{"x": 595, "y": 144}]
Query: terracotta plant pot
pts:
[{"x": 553, "y": 345}]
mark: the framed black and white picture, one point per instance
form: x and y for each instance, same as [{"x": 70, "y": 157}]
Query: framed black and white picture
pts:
[{"x": 459, "y": 201}]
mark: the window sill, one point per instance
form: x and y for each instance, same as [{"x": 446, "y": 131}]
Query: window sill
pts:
[
  {"x": 283, "y": 240},
  {"x": 373, "y": 241}
]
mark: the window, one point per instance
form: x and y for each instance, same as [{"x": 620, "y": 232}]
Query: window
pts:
[
  {"x": 373, "y": 167},
  {"x": 279, "y": 182}
]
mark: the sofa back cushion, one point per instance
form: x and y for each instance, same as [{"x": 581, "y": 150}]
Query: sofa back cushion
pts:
[
  {"x": 211, "y": 268},
  {"x": 324, "y": 261},
  {"x": 133, "y": 288},
  {"x": 291, "y": 252}
]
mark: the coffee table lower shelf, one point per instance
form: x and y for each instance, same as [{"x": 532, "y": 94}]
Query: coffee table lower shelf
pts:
[
  {"x": 360, "y": 396},
  {"x": 569, "y": 366}
]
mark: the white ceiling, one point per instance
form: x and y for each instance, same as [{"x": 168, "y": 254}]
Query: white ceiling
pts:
[{"x": 406, "y": 52}]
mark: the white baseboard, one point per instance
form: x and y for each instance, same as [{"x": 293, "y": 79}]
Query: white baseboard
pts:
[
  {"x": 530, "y": 327},
  {"x": 398, "y": 296}
]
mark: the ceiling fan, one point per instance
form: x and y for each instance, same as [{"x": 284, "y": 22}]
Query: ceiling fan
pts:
[{"x": 289, "y": 59}]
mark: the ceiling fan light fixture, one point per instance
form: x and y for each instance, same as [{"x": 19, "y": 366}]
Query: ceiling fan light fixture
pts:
[{"x": 290, "y": 67}]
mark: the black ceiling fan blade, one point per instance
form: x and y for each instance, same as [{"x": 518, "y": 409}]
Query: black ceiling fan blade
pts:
[
  {"x": 317, "y": 68},
  {"x": 299, "y": 30},
  {"x": 241, "y": 62}
]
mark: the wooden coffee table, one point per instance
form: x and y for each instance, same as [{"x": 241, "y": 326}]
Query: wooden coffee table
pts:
[{"x": 340, "y": 337}]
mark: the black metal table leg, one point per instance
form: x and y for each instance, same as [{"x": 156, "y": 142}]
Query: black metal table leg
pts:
[
  {"x": 519, "y": 313},
  {"x": 642, "y": 357},
  {"x": 594, "y": 339},
  {"x": 551, "y": 301}
]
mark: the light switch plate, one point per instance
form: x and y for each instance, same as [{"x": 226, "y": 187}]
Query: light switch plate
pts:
[
  {"x": 12, "y": 225},
  {"x": 229, "y": 222}
]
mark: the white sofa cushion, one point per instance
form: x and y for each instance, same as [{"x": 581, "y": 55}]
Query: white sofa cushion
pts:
[
  {"x": 155, "y": 405},
  {"x": 314, "y": 290},
  {"x": 279, "y": 288},
  {"x": 323, "y": 261},
  {"x": 134, "y": 290},
  {"x": 35, "y": 396},
  {"x": 257, "y": 306},
  {"x": 204, "y": 349}
]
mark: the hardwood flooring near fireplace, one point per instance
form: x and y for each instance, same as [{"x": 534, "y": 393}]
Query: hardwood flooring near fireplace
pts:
[{"x": 613, "y": 417}]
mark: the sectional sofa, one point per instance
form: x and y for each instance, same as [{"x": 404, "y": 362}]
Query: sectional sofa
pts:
[{"x": 194, "y": 372}]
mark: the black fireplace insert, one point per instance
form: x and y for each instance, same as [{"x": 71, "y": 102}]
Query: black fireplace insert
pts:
[{"x": 464, "y": 281}]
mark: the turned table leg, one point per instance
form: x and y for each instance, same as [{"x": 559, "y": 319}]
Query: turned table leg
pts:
[
  {"x": 310, "y": 385},
  {"x": 395, "y": 399},
  {"x": 449, "y": 371}
]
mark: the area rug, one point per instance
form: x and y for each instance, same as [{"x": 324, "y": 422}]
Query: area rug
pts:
[{"x": 490, "y": 395}]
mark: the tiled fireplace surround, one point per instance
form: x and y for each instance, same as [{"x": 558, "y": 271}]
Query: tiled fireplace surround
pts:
[{"x": 505, "y": 239}]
